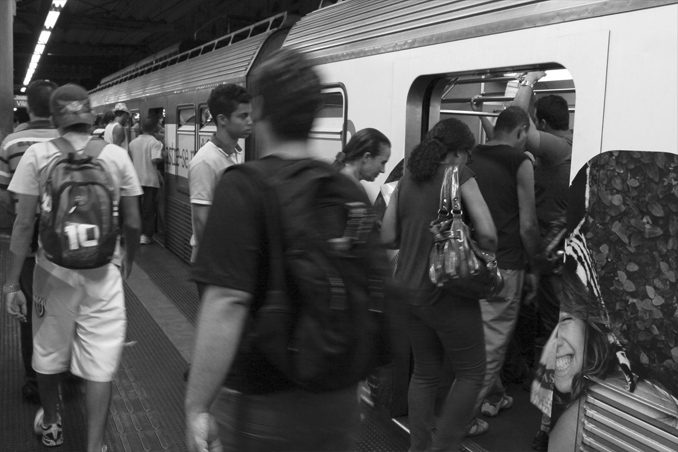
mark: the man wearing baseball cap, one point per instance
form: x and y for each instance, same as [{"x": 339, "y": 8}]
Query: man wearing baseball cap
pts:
[
  {"x": 79, "y": 320},
  {"x": 116, "y": 131}
]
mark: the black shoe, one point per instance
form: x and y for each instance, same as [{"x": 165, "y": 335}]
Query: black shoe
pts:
[
  {"x": 541, "y": 441},
  {"x": 30, "y": 391}
]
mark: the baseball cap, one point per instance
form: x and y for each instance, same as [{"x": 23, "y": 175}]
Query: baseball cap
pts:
[
  {"x": 120, "y": 106},
  {"x": 70, "y": 105}
]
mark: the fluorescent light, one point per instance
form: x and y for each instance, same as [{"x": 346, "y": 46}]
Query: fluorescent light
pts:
[
  {"x": 50, "y": 22},
  {"x": 52, "y": 17},
  {"x": 23, "y": 89},
  {"x": 44, "y": 37}
]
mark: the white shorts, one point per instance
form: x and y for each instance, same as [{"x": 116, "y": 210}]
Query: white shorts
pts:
[{"x": 79, "y": 321}]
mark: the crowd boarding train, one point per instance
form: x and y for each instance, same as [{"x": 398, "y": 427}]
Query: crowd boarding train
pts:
[{"x": 401, "y": 65}]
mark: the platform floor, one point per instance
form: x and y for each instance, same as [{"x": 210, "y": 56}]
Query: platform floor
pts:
[{"x": 147, "y": 409}]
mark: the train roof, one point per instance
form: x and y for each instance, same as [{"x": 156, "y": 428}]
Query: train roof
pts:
[
  {"x": 360, "y": 28},
  {"x": 223, "y": 60}
]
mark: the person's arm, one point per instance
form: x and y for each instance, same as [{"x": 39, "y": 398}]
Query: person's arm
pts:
[
  {"x": 20, "y": 244},
  {"x": 156, "y": 152},
  {"x": 523, "y": 100},
  {"x": 221, "y": 321},
  {"x": 389, "y": 225},
  {"x": 529, "y": 228},
  {"x": 487, "y": 125},
  {"x": 131, "y": 228},
  {"x": 119, "y": 135},
  {"x": 483, "y": 224},
  {"x": 199, "y": 214}
]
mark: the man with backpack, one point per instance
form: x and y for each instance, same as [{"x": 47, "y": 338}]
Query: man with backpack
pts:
[
  {"x": 13, "y": 147},
  {"x": 285, "y": 331},
  {"x": 79, "y": 318}
]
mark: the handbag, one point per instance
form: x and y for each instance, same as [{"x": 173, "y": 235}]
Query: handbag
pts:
[{"x": 456, "y": 261}]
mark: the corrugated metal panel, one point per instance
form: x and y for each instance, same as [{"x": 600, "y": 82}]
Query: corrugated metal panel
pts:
[
  {"x": 226, "y": 65},
  {"x": 179, "y": 228},
  {"x": 366, "y": 27}
]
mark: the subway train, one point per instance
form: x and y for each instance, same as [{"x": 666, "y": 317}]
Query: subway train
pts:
[{"x": 401, "y": 65}]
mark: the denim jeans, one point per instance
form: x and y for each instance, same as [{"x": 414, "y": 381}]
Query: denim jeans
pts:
[
  {"x": 147, "y": 206},
  {"x": 500, "y": 315},
  {"x": 293, "y": 420},
  {"x": 451, "y": 327}
]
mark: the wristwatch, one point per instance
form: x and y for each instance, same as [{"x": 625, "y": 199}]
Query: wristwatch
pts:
[
  {"x": 10, "y": 288},
  {"x": 525, "y": 82}
]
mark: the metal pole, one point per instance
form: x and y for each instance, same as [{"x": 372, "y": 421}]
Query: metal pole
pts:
[
  {"x": 7, "y": 12},
  {"x": 480, "y": 99}
]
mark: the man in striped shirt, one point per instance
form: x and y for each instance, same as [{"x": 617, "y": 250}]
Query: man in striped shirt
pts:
[{"x": 39, "y": 129}]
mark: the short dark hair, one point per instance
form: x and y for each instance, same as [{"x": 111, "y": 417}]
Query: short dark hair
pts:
[
  {"x": 38, "y": 95},
  {"x": 109, "y": 116},
  {"x": 554, "y": 110},
  {"x": 149, "y": 125},
  {"x": 510, "y": 119},
  {"x": 289, "y": 91},
  {"x": 225, "y": 99},
  {"x": 448, "y": 135},
  {"x": 363, "y": 141}
]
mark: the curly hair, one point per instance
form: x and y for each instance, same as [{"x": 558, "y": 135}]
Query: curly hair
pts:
[
  {"x": 225, "y": 99},
  {"x": 447, "y": 136}
]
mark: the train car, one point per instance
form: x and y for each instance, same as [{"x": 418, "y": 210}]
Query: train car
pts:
[
  {"x": 175, "y": 86},
  {"x": 400, "y": 66}
]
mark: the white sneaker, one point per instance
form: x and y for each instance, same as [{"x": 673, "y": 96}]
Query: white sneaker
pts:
[
  {"x": 51, "y": 435},
  {"x": 145, "y": 240}
]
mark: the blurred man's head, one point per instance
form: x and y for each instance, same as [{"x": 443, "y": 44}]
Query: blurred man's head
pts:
[
  {"x": 38, "y": 94},
  {"x": 71, "y": 108},
  {"x": 287, "y": 95},
  {"x": 552, "y": 111}
]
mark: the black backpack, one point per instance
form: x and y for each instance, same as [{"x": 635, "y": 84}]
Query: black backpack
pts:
[
  {"x": 322, "y": 322},
  {"x": 79, "y": 208}
]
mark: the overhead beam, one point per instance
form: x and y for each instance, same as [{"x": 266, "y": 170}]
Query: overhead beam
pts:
[{"x": 99, "y": 22}]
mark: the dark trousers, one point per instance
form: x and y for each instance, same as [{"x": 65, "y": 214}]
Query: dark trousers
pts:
[
  {"x": 147, "y": 206},
  {"x": 26, "y": 328}
]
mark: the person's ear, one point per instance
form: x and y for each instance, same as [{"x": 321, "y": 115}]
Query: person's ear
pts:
[{"x": 366, "y": 155}]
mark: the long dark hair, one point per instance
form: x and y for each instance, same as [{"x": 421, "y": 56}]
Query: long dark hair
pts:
[
  {"x": 449, "y": 135},
  {"x": 363, "y": 141},
  {"x": 599, "y": 359}
]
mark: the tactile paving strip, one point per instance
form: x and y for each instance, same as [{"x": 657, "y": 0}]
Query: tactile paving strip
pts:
[
  {"x": 147, "y": 412},
  {"x": 171, "y": 275}
]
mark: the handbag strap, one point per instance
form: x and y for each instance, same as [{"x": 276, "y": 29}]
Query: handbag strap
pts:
[{"x": 449, "y": 193}]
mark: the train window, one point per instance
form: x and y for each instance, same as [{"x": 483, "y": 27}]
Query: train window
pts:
[
  {"x": 470, "y": 97},
  {"x": 135, "y": 117},
  {"x": 223, "y": 42},
  {"x": 327, "y": 137},
  {"x": 207, "y": 125}
]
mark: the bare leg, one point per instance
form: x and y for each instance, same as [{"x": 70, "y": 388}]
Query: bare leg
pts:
[
  {"x": 48, "y": 386},
  {"x": 98, "y": 400}
]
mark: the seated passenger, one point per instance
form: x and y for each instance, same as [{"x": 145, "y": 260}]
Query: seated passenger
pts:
[{"x": 365, "y": 156}]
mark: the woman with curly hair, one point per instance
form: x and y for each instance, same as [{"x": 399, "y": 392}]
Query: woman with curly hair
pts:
[
  {"x": 440, "y": 322},
  {"x": 365, "y": 155},
  {"x": 584, "y": 352}
]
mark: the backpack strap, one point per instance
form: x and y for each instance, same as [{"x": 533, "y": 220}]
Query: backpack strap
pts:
[{"x": 92, "y": 149}]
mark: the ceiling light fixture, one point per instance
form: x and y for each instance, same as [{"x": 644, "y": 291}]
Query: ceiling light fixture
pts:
[{"x": 52, "y": 16}]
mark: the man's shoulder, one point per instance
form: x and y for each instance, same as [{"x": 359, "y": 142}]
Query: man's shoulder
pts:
[{"x": 25, "y": 138}]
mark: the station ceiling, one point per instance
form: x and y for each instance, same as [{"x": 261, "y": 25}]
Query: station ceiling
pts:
[{"x": 95, "y": 38}]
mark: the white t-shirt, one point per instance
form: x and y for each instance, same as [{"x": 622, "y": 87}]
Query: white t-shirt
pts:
[
  {"x": 143, "y": 149},
  {"x": 204, "y": 172},
  {"x": 26, "y": 180}
]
